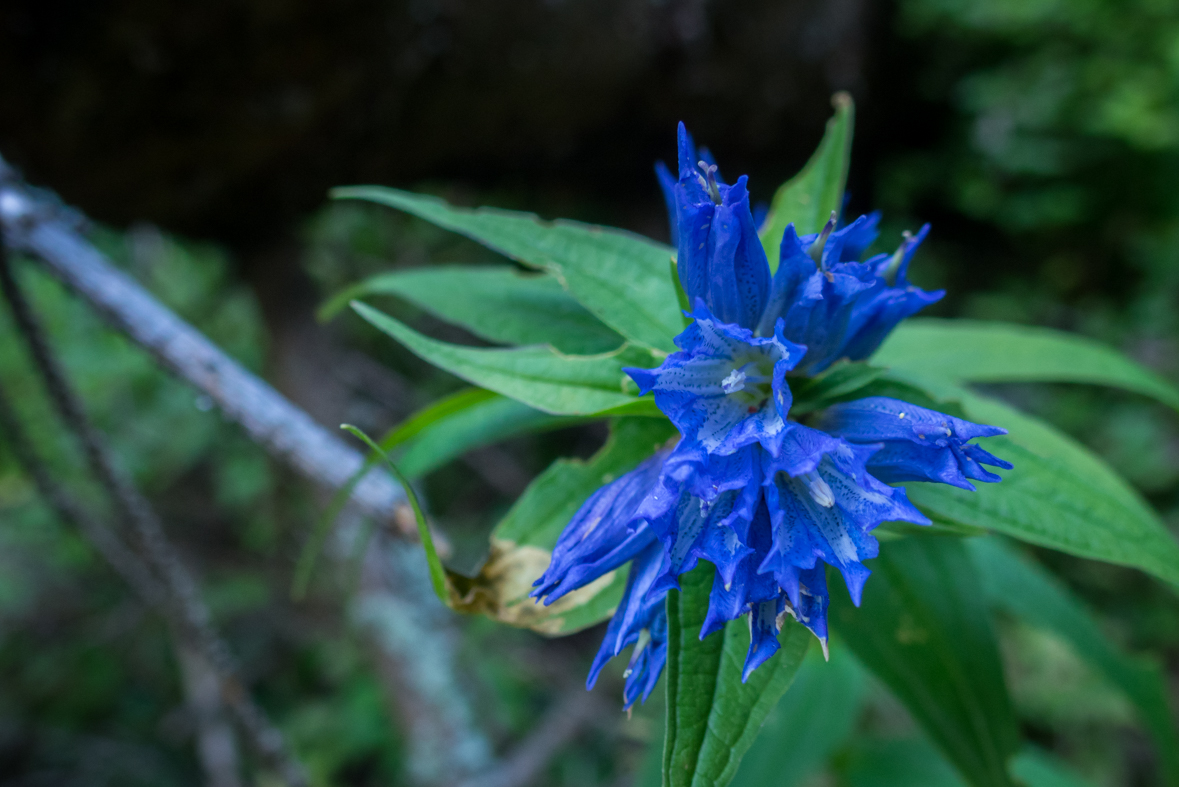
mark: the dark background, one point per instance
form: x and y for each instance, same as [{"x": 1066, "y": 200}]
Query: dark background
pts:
[{"x": 1041, "y": 140}]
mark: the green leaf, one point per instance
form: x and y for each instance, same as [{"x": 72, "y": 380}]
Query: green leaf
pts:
[
  {"x": 488, "y": 421},
  {"x": 420, "y": 421},
  {"x": 923, "y": 629},
  {"x": 1035, "y": 768},
  {"x": 541, "y": 513},
  {"x": 970, "y": 351},
  {"x": 540, "y": 377},
  {"x": 809, "y": 198},
  {"x": 522, "y": 543},
  {"x": 915, "y": 763},
  {"x": 1059, "y": 495},
  {"x": 844, "y": 380},
  {"x": 681, "y": 297},
  {"x": 496, "y": 302},
  {"x": 801, "y": 733},
  {"x": 438, "y": 577},
  {"x": 1018, "y": 585},
  {"x": 895, "y": 762},
  {"x": 712, "y": 717},
  {"x": 620, "y": 277}
]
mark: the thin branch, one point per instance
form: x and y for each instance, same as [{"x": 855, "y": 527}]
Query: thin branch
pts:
[
  {"x": 193, "y": 616},
  {"x": 34, "y": 223},
  {"x": 135, "y": 573},
  {"x": 445, "y": 742},
  {"x": 125, "y": 562}
]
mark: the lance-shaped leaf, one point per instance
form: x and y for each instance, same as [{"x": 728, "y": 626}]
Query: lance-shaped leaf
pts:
[
  {"x": 1059, "y": 495},
  {"x": 438, "y": 432},
  {"x": 484, "y": 422},
  {"x": 1036, "y": 768},
  {"x": 808, "y": 199},
  {"x": 712, "y": 717},
  {"x": 522, "y": 543},
  {"x": 969, "y": 351},
  {"x": 808, "y": 726},
  {"x": 895, "y": 762},
  {"x": 618, "y": 276},
  {"x": 540, "y": 377},
  {"x": 498, "y": 303},
  {"x": 914, "y": 762},
  {"x": 1016, "y": 584},
  {"x": 923, "y": 629},
  {"x": 842, "y": 381}
]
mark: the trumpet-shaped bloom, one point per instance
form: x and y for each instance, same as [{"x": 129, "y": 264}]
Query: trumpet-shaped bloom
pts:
[
  {"x": 917, "y": 444},
  {"x": 726, "y": 388},
  {"x": 768, "y": 501}
]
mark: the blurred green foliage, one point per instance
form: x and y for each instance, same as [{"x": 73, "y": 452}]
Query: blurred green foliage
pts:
[
  {"x": 90, "y": 692},
  {"x": 1050, "y": 184}
]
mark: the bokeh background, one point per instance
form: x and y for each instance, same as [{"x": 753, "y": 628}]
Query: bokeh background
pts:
[{"x": 1039, "y": 137}]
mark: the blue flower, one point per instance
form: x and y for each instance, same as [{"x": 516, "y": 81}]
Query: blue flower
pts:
[
  {"x": 918, "y": 444},
  {"x": 720, "y": 258},
  {"x": 768, "y": 501},
  {"x": 726, "y": 388}
]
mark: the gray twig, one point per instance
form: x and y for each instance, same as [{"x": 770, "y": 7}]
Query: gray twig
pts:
[
  {"x": 182, "y": 591},
  {"x": 125, "y": 562},
  {"x": 217, "y": 749},
  {"x": 445, "y": 741},
  {"x": 33, "y": 223}
]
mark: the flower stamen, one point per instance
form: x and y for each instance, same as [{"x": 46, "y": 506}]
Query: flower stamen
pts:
[
  {"x": 816, "y": 249},
  {"x": 820, "y": 492},
  {"x": 894, "y": 264},
  {"x": 708, "y": 180},
  {"x": 734, "y": 382}
]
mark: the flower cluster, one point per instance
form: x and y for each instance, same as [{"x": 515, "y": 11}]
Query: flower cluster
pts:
[{"x": 769, "y": 501}]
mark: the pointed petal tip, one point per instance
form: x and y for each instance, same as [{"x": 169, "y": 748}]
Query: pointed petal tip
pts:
[
  {"x": 645, "y": 379},
  {"x": 826, "y": 651}
]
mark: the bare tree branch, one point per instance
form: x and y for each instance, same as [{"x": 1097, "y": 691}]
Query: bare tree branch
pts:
[
  {"x": 446, "y": 744},
  {"x": 33, "y": 223},
  {"x": 153, "y": 592},
  {"x": 217, "y": 750},
  {"x": 215, "y": 744}
]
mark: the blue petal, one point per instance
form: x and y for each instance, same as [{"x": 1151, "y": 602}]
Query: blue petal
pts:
[
  {"x": 841, "y": 308},
  {"x": 827, "y": 513},
  {"x": 683, "y": 530},
  {"x": 639, "y": 609},
  {"x": 723, "y": 547},
  {"x": 718, "y": 389},
  {"x": 848, "y": 243},
  {"x": 667, "y": 186},
  {"x": 720, "y": 258},
  {"x": 691, "y": 470},
  {"x": 688, "y": 158},
  {"x": 882, "y": 309},
  {"x": 763, "y": 634},
  {"x": 918, "y": 444},
  {"x": 694, "y": 216},
  {"x": 599, "y": 538},
  {"x": 733, "y": 595},
  {"x": 801, "y": 450},
  {"x": 854, "y": 239},
  {"x": 794, "y": 268},
  {"x": 812, "y": 609},
  {"x": 738, "y": 274},
  {"x": 647, "y": 663}
]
